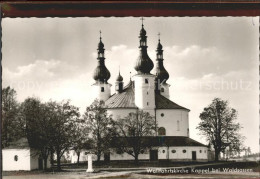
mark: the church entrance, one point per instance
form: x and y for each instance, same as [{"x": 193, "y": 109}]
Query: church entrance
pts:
[
  {"x": 194, "y": 156},
  {"x": 107, "y": 157},
  {"x": 153, "y": 155},
  {"x": 40, "y": 163}
]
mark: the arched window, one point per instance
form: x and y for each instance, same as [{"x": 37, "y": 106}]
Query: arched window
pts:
[
  {"x": 102, "y": 89},
  {"x": 161, "y": 131},
  {"x": 178, "y": 125},
  {"x": 162, "y": 89},
  {"x": 16, "y": 158}
]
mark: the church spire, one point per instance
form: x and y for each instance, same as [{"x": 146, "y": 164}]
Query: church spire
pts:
[
  {"x": 101, "y": 73},
  {"x": 161, "y": 74},
  {"x": 119, "y": 77},
  {"x": 119, "y": 83},
  {"x": 143, "y": 64}
]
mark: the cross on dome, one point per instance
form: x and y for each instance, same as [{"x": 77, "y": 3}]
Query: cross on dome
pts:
[
  {"x": 142, "y": 19},
  {"x": 100, "y": 34}
]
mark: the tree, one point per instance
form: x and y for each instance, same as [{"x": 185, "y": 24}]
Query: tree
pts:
[
  {"x": 63, "y": 119},
  {"x": 35, "y": 114},
  {"x": 12, "y": 124},
  {"x": 131, "y": 131},
  {"x": 218, "y": 124},
  {"x": 100, "y": 127},
  {"x": 80, "y": 138}
]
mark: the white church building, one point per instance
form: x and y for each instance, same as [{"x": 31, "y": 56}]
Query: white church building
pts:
[{"x": 150, "y": 93}]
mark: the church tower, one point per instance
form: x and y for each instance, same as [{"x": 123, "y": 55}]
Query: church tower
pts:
[
  {"x": 144, "y": 81},
  {"x": 101, "y": 75},
  {"x": 119, "y": 83},
  {"x": 161, "y": 74}
]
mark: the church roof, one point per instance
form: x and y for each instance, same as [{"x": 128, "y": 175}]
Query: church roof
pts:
[
  {"x": 19, "y": 144},
  {"x": 173, "y": 141},
  {"x": 126, "y": 99},
  {"x": 162, "y": 102}
]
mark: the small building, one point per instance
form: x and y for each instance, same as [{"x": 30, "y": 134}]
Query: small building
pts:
[{"x": 19, "y": 156}]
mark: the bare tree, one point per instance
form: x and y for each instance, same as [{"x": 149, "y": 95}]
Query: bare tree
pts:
[
  {"x": 37, "y": 127},
  {"x": 219, "y": 127},
  {"x": 100, "y": 127},
  {"x": 80, "y": 138},
  {"x": 131, "y": 131},
  {"x": 63, "y": 118},
  {"x": 12, "y": 124}
]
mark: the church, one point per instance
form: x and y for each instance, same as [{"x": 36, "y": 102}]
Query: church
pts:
[{"x": 150, "y": 93}]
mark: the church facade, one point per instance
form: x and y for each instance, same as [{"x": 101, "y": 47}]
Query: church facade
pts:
[{"x": 150, "y": 93}]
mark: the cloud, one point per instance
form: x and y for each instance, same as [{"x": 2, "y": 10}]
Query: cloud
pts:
[
  {"x": 52, "y": 79},
  {"x": 240, "y": 88},
  {"x": 196, "y": 61}
]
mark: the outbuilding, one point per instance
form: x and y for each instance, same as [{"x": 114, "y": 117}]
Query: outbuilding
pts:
[{"x": 19, "y": 156}]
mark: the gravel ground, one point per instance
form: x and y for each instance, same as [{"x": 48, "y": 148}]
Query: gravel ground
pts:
[{"x": 142, "y": 172}]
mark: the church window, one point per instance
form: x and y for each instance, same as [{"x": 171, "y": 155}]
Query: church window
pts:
[
  {"x": 161, "y": 131},
  {"x": 119, "y": 152},
  {"x": 102, "y": 89},
  {"x": 184, "y": 151},
  {"x": 147, "y": 93},
  {"x": 86, "y": 153},
  {"x": 162, "y": 114},
  {"x": 178, "y": 125},
  {"x": 205, "y": 151},
  {"x": 147, "y": 103},
  {"x": 163, "y": 151},
  {"x": 173, "y": 151},
  {"x": 16, "y": 158},
  {"x": 162, "y": 89},
  {"x": 146, "y": 80},
  {"x": 200, "y": 151}
]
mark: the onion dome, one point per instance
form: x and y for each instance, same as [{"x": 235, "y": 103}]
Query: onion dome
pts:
[
  {"x": 143, "y": 63},
  {"x": 119, "y": 77},
  {"x": 101, "y": 73},
  {"x": 159, "y": 46},
  {"x": 119, "y": 83},
  {"x": 161, "y": 74},
  {"x": 100, "y": 45},
  {"x": 142, "y": 31}
]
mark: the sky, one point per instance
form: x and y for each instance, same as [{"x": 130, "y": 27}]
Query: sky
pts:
[{"x": 206, "y": 57}]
